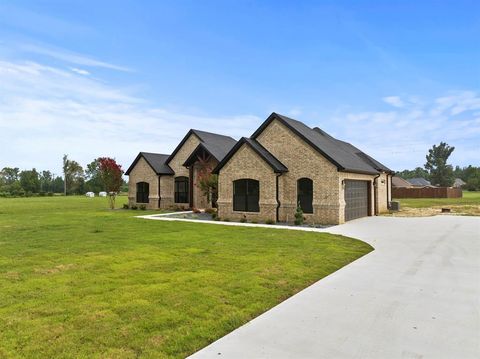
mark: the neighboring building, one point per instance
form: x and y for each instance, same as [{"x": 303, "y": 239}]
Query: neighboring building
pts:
[
  {"x": 458, "y": 183},
  {"x": 90, "y": 194},
  {"x": 399, "y": 182},
  {"x": 419, "y": 182},
  {"x": 265, "y": 176}
]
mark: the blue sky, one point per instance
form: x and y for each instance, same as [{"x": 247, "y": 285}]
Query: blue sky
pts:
[{"x": 115, "y": 77}]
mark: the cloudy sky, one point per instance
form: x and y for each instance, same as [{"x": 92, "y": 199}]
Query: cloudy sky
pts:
[{"x": 113, "y": 78}]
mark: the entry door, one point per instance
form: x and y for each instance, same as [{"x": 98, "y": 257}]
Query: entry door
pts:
[{"x": 356, "y": 198}]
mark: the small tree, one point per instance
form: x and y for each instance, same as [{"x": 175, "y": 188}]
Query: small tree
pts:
[
  {"x": 111, "y": 174},
  {"x": 299, "y": 215},
  {"x": 206, "y": 181},
  {"x": 441, "y": 174}
]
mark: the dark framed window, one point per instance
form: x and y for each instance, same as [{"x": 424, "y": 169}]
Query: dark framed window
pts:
[
  {"x": 142, "y": 192},
  {"x": 305, "y": 194},
  {"x": 246, "y": 193},
  {"x": 181, "y": 190}
]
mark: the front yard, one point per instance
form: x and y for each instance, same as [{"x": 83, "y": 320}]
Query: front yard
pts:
[
  {"x": 468, "y": 205},
  {"x": 78, "y": 280}
]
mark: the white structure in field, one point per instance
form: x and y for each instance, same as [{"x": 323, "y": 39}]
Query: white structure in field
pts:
[
  {"x": 90, "y": 194},
  {"x": 102, "y": 194}
]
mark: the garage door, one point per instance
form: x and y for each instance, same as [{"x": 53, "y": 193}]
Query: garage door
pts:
[{"x": 356, "y": 199}]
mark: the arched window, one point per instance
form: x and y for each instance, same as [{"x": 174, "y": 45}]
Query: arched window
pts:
[
  {"x": 181, "y": 190},
  {"x": 246, "y": 193},
  {"x": 305, "y": 194},
  {"x": 142, "y": 192}
]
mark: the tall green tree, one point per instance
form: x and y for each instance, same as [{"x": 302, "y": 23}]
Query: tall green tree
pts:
[
  {"x": 418, "y": 172},
  {"x": 9, "y": 175},
  {"x": 46, "y": 181},
  {"x": 73, "y": 176},
  {"x": 94, "y": 182},
  {"x": 441, "y": 173},
  {"x": 30, "y": 181}
]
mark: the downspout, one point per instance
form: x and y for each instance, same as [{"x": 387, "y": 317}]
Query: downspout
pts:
[
  {"x": 278, "y": 197},
  {"x": 388, "y": 191},
  {"x": 375, "y": 194}
]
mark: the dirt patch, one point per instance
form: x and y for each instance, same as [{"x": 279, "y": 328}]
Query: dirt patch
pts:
[
  {"x": 56, "y": 269},
  {"x": 459, "y": 210}
]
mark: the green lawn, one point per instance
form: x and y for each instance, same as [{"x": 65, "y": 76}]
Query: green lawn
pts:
[
  {"x": 78, "y": 280},
  {"x": 469, "y": 198}
]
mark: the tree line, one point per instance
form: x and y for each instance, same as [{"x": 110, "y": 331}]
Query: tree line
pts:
[
  {"x": 440, "y": 173},
  {"x": 74, "y": 179}
]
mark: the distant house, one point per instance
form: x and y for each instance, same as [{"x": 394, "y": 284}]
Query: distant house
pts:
[
  {"x": 419, "y": 182},
  {"x": 458, "y": 183},
  {"x": 399, "y": 182}
]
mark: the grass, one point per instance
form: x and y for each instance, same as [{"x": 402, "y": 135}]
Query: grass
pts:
[
  {"x": 469, "y": 204},
  {"x": 78, "y": 280}
]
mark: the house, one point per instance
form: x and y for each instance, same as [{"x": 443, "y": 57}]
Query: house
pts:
[
  {"x": 267, "y": 175},
  {"x": 399, "y": 182},
  {"x": 419, "y": 182},
  {"x": 458, "y": 183}
]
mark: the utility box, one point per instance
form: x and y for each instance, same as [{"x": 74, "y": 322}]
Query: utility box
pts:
[{"x": 394, "y": 206}]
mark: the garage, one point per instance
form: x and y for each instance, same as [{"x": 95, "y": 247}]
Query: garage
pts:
[{"x": 356, "y": 199}]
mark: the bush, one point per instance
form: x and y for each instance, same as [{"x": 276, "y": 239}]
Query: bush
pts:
[
  {"x": 226, "y": 219},
  {"x": 269, "y": 221},
  {"x": 134, "y": 207},
  {"x": 214, "y": 215},
  {"x": 50, "y": 194},
  {"x": 254, "y": 222},
  {"x": 298, "y": 216},
  {"x": 125, "y": 206},
  {"x": 211, "y": 211},
  {"x": 41, "y": 194},
  {"x": 196, "y": 210},
  {"x": 217, "y": 218},
  {"x": 143, "y": 207},
  {"x": 243, "y": 220}
]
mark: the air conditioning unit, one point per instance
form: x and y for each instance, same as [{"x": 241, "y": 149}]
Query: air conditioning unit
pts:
[{"x": 394, "y": 206}]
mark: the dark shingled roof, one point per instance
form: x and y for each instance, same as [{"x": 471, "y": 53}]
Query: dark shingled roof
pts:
[
  {"x": 156, "y": 160},
  {"x": 420, "y": 182},
  {"x": 271, "y": 160},
  {"x": 342, "y": 154},
  {"x": 217, "y": 145}
]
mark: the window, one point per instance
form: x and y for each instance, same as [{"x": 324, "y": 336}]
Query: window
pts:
[
  {"x": 305, "y": 194},
  {"x": 142, "y": 192},
  {"x": 245, "y": 195},
  {"x": 181, "y": 190}
]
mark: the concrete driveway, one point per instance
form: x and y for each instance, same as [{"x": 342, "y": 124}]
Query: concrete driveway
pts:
[{"x": 416, "y": 296}]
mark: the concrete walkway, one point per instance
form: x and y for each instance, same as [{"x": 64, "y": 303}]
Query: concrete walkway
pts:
[{"x": 416, "y": 296}]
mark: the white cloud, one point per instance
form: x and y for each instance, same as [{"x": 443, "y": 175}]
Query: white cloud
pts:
[
  {"x": 395, "y": 101},
  {"x": 46, "y": 112},
  {"x": 400, "y": 138},
  {"x": 80, "y": 71},
  {"x": 69, "y": 56}
]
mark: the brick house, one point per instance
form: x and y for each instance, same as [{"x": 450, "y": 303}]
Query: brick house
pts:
[{"x": 264, "y": 177}]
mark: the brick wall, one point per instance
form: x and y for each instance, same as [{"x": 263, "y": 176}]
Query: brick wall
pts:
[
  {"x": 142, "y": 172},
  {"x": 247, "y": 164}
]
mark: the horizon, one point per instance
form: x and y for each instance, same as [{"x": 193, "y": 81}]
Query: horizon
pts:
[{"x": 392, "y": 79}]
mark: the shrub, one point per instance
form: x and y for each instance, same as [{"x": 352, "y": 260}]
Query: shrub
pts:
[
  {"x": 125, "y": 206},
  {"x": 298, "y": 215},
  {"x": 214, "y": 215},
  {"x": 210, "y": 211},
  {"x": 50, "y": 194},
  {"x": 41, "y": 194},
  {"x": 196, "y": 210},
  {"x": 217, "y": 219},
  {"x": 269, "y": 221},
  {"x": 134, "y": 207},
  {"x": 226, "y": 219},
  {"x": 143, "y": 207},
  {"x": 254, "y": 222},
  {"x": 243, "y": 220}
]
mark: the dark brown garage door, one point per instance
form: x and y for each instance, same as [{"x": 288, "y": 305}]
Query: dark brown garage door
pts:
[{"x": 356, "y": 198}]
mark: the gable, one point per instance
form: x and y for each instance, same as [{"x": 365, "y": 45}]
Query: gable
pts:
[{"x": 182, "y": 152}]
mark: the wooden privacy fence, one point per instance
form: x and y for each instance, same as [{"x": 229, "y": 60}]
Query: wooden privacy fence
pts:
[{"x": 426, "y": 192}]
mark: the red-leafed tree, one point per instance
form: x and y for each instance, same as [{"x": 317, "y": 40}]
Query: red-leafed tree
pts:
[{"x": 111, "y": 174}]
